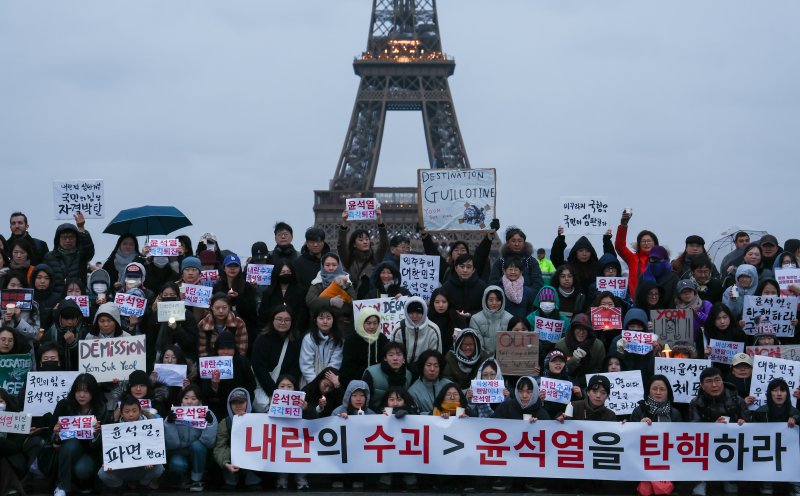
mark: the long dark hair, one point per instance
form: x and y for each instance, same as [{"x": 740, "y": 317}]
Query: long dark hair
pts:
[
  {"x": 274, "y": 283},
  {"x": 89, "y": 383},
  {"x": 408, "y": 402},
  {"x": 442, "y": 392},
  {"x": 576, "y": 283},
  {"x": 194, "y": 388},
  {"x": 294, "y": 333},
  {"x": 334, "y": 333}
]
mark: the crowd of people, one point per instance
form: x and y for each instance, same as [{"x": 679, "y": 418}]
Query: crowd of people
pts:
[{"x": 299, "y": 332}]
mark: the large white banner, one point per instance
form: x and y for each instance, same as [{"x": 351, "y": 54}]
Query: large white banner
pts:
[
  {"x": 423, "y": 444},
  {"x": 456, "y": 199},
  {"x": 112, "y": 358},
  {"x": 133, "y": 444}
]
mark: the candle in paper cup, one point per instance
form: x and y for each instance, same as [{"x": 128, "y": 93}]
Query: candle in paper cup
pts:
[
  {"x": 568, "y": 411},
  {"x": 388, "y": 410},
  {"x": 459, "y": 411},
  {"x": 171, "y": 320},
  {"x": 527, "y": 416}
]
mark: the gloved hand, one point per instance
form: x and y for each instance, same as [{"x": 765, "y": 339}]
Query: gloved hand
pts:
[
  {"x": 495, "y": 224},
  {"x": 579, "y": 354},
  {"x": 622, "y": 344},
  {"x": 209, "y": 418},
  {"x": 400, "y": 413},
  {"x": 171, "y": 418}
]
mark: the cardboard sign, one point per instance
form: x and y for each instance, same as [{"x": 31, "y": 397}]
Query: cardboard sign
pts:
[
  {"x": 723, "y": 351},
  {"x": 456, "y": 199},
  {"x": 82, "y": 301},
  {"x": 419, "y": 274},
  {"x": 361, "y": 208},
  {"x": 21, "y": 298},
  {"x": 194, "y": 295},
  {"x": 288, "y": 404},
  {"x": 584, "y": 214},
  {"x": 556, "y": 390},
  {"x": 549, "y": 329},
  {"x": 606, "y": 319},
  {"x": 765, "y": 369},
  {"x": 170, "y": 374},
  {"x": 640, "y": 343},
  {"x": 618, "y": 286},
  {"x": 82, "y": 195},
  {"x": 517, "y": 352},
  {"x": 627, "y": 390},
  {"x": 260, "y": 274},
  {"x": 683, "y": 375},
  {"x": 164, "y": 247},
  {"x": 43, "y": 390},
  {"x": 785, "y": 351},
  {"x": 487, "y": 391},
  {"x": 780, "y": 310},
  {"x": 77, "y": 427},
  {"x": 194, "y": 416},
  {"x": 15, "y": 422},
  {"x": 209, "y": 277},
  {"x": 391, "y": 310},
  {"x": 13, "y": 372},
  {"x": 673, "y": 325},
  {"x": 130, "y": 305},
  {"x": 111, "y": 358},
  {"x": 133, "y": 444},
  {"x": 785, "y": 277},
  {"x": 222, "y": 363},
  {"x": 171, "y": 310}
]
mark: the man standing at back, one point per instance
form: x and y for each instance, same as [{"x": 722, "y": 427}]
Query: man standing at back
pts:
[
  {"x": 19, "y": 230},
  {"x": 73, "y": 249}
]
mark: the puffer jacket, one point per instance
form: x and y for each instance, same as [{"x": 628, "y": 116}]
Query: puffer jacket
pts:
[
  {"x": 177, "y": 436},
  {"x": 69, "y": 265},
  {"x": 704, "y": 408},
  {"x": 530, "y": 271},
  {"x": 489, "y": 323},
  {"x": 512, "y": 407}
]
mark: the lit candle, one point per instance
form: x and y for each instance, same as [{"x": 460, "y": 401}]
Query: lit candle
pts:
[
  {"x": 667, "y": 350},
  {"x": 171, "y": 320}
]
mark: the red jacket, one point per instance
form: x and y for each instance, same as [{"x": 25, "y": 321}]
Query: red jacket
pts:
[{"x": 637, "y": 262}]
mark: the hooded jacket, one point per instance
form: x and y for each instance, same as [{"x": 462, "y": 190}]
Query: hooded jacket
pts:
[
  {"x": 46, "y": 298},
  {"x": 361, "y": 350},
  {"x": 345, "y": 406},
  {"x": 69, "y": 264},
  {"x": 464, "y": 295},
  {"x": 489, "y": 323},
  {"x": 585, "y": 271},
  {"x": 317, "y": 355},
  {"x": 112, "y": 310},
  {"x": 485, "y": 410},
  {"x": 530, "y": 270},
  {"x": 222, "y": 447},
  {"x": 736, "y": 305},
  {"x": 460, "y": 368},
  {"x": 418, "y": 338},
  {"x": 513, "y": 409},
  {"x": 55, "y": 334}
]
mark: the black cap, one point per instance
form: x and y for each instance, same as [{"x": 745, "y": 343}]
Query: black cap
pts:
[
  {"x": 694, "y": 239},
  {"x": 259, "y": 250},
  {"x": 600, "y": 380},
  {"x": 768, "y": 239}
]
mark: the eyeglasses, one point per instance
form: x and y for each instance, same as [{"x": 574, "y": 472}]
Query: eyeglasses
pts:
[
  {"x": 713, "y": 380},
  {"x": 451, "y": 396},
  {"x": 282, "y": 320}
]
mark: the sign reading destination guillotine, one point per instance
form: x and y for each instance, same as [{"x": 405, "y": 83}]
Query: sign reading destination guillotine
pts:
[{"x": 456, "y": 199}]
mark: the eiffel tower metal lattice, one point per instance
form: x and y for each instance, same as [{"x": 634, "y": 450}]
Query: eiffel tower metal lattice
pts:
[{"x": 403, "y": 68}]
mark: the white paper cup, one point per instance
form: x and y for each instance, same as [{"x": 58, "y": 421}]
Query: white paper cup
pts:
[
  {"x": 387, "y": 410},
  {"x": 726, "y": 419},
  {"x": 527, "y": 416},
  {"x": 10, "y": 307},
  {"x": 459, "y": 411}
]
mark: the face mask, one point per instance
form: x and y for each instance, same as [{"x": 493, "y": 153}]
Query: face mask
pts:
[
  {"x": 547, "y": 306},
  {"x": 160, "y": 262},
  {"x": 99, "y": 287},
  {"x": 211, "y": 246},
  {"x": 658, "y": 268},
  {"x": 49, "y": 366},
  {"x": 2, "y": 407},
  {"x": 285, "y": 278},
  {"x": 169, "y": 298},
  {"x": 788, "y": 266}
]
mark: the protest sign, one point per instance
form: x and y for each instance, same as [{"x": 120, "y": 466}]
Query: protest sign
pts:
[
  {"x": 627, "y": 389},
  {"x": 21, "y": 298},
  {"x": 130, "y": 305},
  {"x": 517, "y": 352},
  {"x": 765, "y": 369},
  {"x": 222, "y": 363},
  {"x": 44, "y": 389},
  {"x": 15, "y": 422},
  {"x": 288, "y": 404},
  {"x": 549, "y": 329},
  {"x": 13, "y": 370},
  {"x": 640, "y": 343},
  {"x": 260, "y": 274},
  {"x": 194, "y": 295},
  {"x": 133, "y": 444},
  {"x": 170, "y": 374},
  {"x": 785, "y": 351},
  {"x": 171, "y": 310},
  {"x": 456, "y": 199},
  {"x": 82, "y": 302},
  {"x": 209, "y": 277},
  {"x": 487, "y": 391},
  {"x": 576, "y": 449},
  {"x": 111, "y": 358},
  {"x": 584, "y": 214},
  {"x": 556, "y": 390},
  {"x": 723, "y": 351},
  {"x": 683, "y": 375},
  {"x": 618, "y": 286},
  {"x": 164, "y": 247},
  {"x": 606, "y": 319},
  {"x": 194, "y": 416},
  {"x": 361, "y": 208},
  {"x": 419, "y": 274},
  {"x": 81, "y": 195},
  {"x": 391, "y": 310},
  {"x": 785, "y": 277},
  {"x": 76, "y": 427},
  {"x": 673, "y": 325},
  {"x": 780, "y": 310}
]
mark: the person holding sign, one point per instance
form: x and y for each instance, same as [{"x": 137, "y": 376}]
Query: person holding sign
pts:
[
  {"x": 720, "y": 326},
  {"x": 584, "y": 350},
  {"x": 125, "y": 252},
  {"x": 635, "y": 260},
  {"x": 517, "y": 246},
  {"x": 462, "y": 362},
  {"x": 555, "y": 367},
  {"x": 238, "y": 404},
  {"x": 593, "y": 406},
  {"x": 332, "y": 289},
  {"x": 112, "y": 479},
  {"x": 215, "y": 390},
  {"x": 78, "y": 460},
  {"x": 176, "y": 331},
  {"x": 233, "y": 283},
  {"x": 188, "y": 446},
  {"x": 358, "y": 254},
  {"x": 582, "y": 257},
  {"x": 778, "y": 409},
  {"x": 73, "y": 249},
  {"x": 488, "y": 371}
]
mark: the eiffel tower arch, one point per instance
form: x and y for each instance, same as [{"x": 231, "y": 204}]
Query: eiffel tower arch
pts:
[{"x": 402, "y": 69}]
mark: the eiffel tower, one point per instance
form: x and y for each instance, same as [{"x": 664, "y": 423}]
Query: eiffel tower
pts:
[{"x": 403, "y": 68}]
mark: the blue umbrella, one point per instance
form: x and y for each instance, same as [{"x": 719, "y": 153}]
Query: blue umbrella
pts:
[{"x": 147, "y": 220}]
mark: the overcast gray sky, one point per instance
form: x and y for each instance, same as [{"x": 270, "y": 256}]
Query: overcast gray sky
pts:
[{"x": 236, "y": 111}]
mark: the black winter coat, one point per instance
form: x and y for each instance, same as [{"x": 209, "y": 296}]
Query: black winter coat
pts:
[
  {"x": 465, "y": 295},
  {"x": 67, "y": 266}
]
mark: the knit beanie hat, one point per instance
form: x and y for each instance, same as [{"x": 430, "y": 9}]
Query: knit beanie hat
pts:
[
  {"x": 138, "y": 378},
  {"x": 547, "y": 294},
  {"x": 190, "y": 263}
]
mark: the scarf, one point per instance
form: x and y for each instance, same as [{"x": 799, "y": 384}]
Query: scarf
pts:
[
  {"x": 658, "y": 409},
  {"x": 23, "y": 267},
  {"x": 592, "y": 412},
  {"x": 655, "y": 270},
  {"x": 448, "y": 406},
  {"x": 120, "y": 262},
  {"x": 694, "y": 304},
  {"x": 328, "y": 277},
  {"x": 513, "y": 289}
]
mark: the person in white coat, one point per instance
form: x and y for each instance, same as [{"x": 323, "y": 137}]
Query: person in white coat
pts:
[
  {"x": 417, "y": 333},
  {"x": 321, "y": 346}
]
